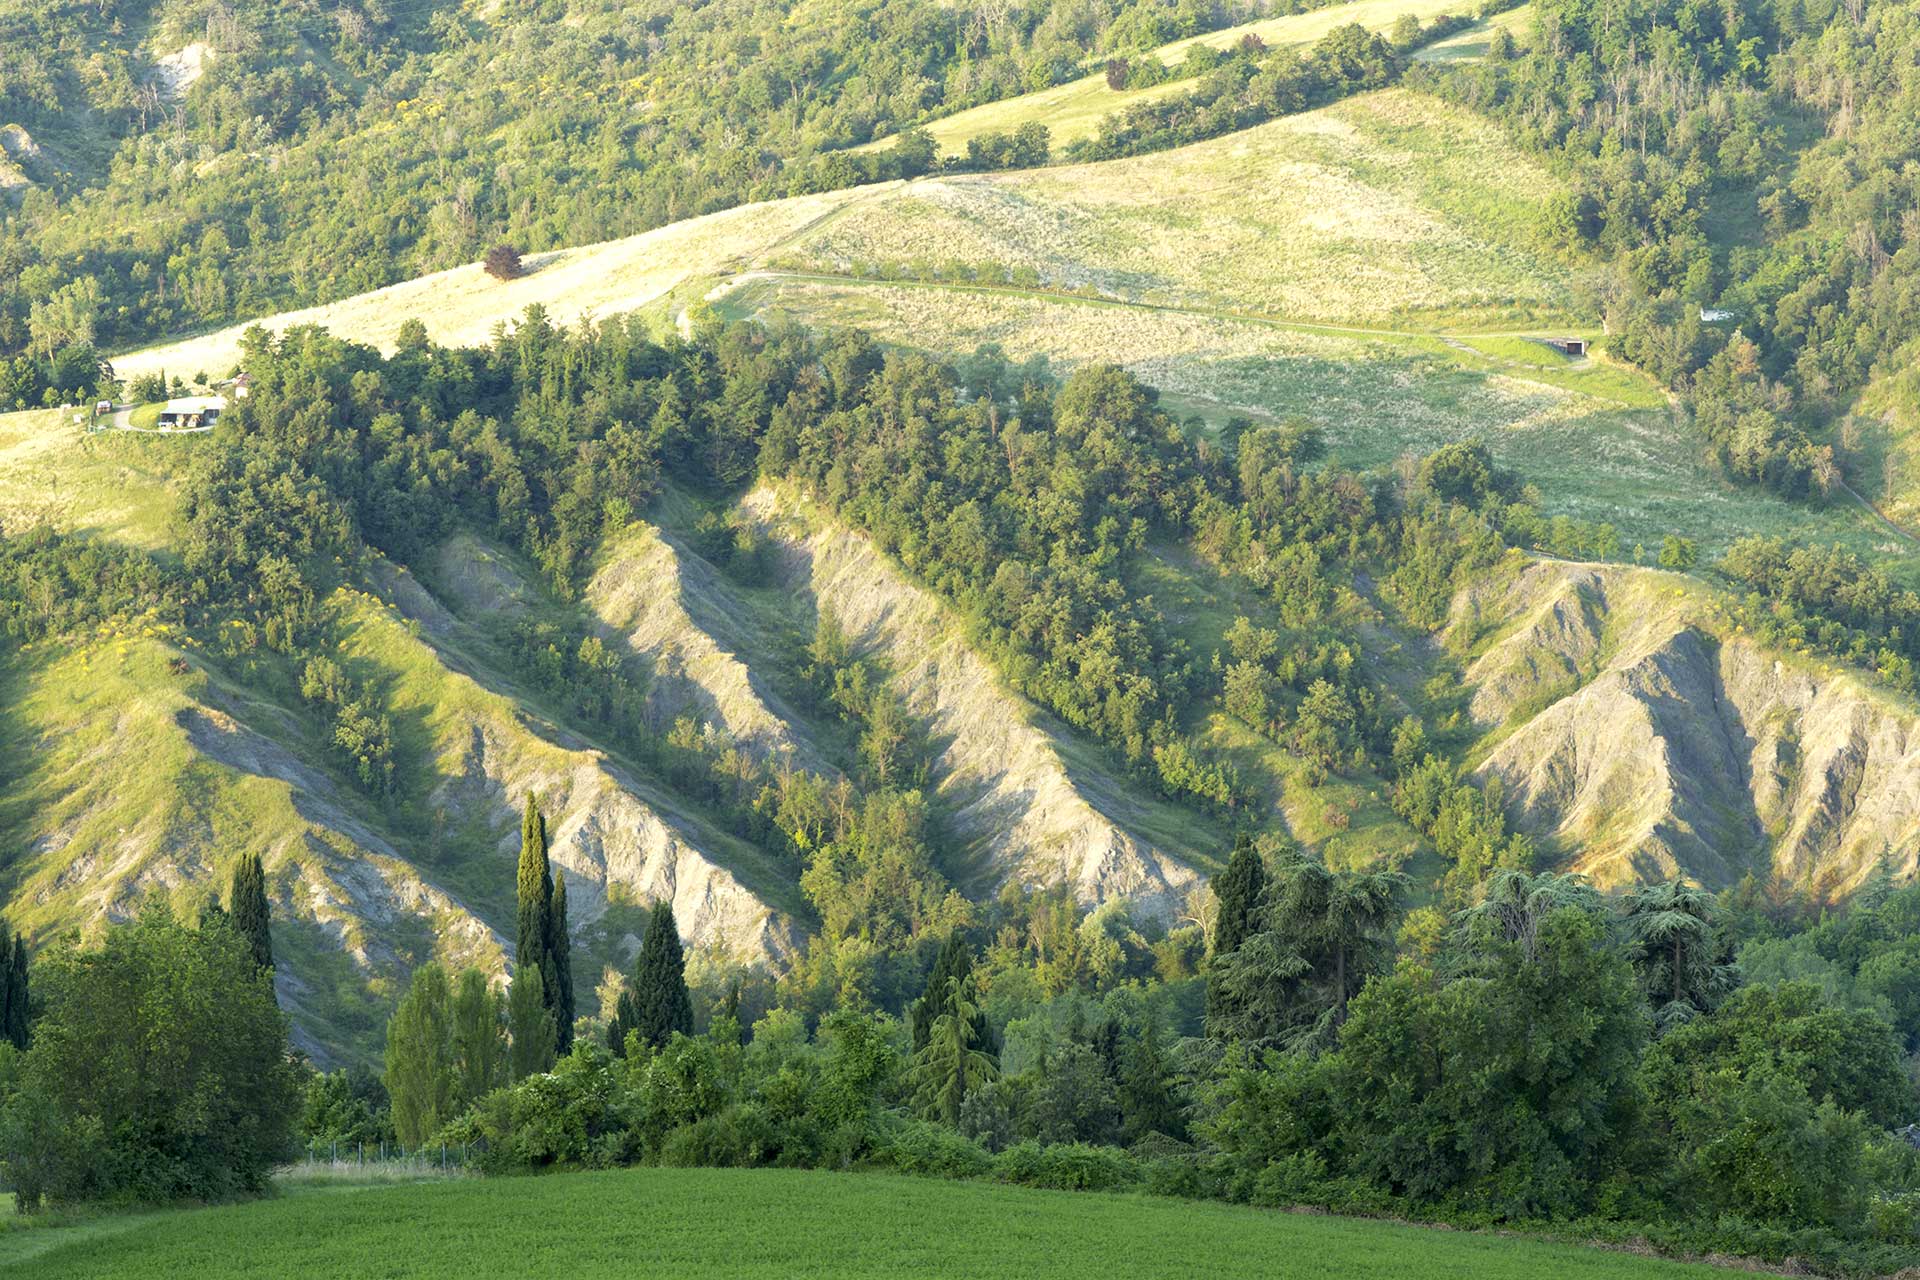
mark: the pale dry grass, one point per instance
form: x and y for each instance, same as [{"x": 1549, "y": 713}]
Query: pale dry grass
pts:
[
  {"x": 461, "y": 306},
  {"x": 1074, "y": 110},
  {"x": 1388, "y": 207}
]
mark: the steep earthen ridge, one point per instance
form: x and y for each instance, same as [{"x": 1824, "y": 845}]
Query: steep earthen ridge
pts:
[
  {"x": 1027, "y": 818},
  {"x": 672, "y": 608},
  {"x": 1671, "y": 743},
  {"x": 609, "y": 832}
]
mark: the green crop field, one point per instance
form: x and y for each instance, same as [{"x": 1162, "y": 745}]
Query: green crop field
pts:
[
  {"x": 1074, "y": 110},
  {"x": 717, "y": 1222}
]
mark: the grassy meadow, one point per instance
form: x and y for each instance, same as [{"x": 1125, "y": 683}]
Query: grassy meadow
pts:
[
  {"x": 1074, "y": 110},
  {"x": 1375, "y": 396},
  {"x": 775, "y": 1223},
  {"x": 1388, "y": 208}
]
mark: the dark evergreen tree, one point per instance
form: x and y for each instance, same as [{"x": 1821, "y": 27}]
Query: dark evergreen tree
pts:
[
  {"x": 6, "y": 987},
  {"x": 560, "y": 954},
  {"x": 1148, "y": 1101},
  {"x": 536, "y": 900},
  {"x": 1240, "y": 899},
  {"x": 954, "y": 961},
  {"x": 15, "y": 1028},
  {"x": 661, "y": 1003},
  {"x": 247, "y": 902},
  {"x": 1239, "y": 893}
]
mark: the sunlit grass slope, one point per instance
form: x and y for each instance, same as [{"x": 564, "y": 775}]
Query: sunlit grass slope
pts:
[{"x": 1073, "y": 110}]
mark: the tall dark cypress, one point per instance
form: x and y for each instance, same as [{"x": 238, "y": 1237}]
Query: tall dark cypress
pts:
[
  {"x": 247, "y": 901},
  {"x": 560, "y": 954},
  {"x": 536, "y": 897},
  {"x": 660, "y": 1000},
  {"x": 1240, "y": 899},
  {"x": 16, "y": 1001},
  {"x": 6, "y": 986},
  {"x": 1240, "y": 893}
]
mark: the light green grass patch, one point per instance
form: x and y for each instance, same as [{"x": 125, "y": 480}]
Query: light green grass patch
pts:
[
  {"x": 107, "y": 484},
  {"x": 1472, "y": 44},
  {"x": 788, "y": 1223}
]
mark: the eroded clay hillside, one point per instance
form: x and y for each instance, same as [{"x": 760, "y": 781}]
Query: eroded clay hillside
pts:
[
  {"x": 1631, "y": 720},
  {"x": 148, "y": 761}
]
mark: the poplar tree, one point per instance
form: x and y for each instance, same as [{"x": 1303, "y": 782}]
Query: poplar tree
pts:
[
  {"x": 479, "y": 1038},
  {"x": 560, "y": 958},
  {"x": 420, "y": 1070},
  {"x": 529, "y": 1026},
  {"x": 247, "y": 903},
  {"x": 661, "y": 1003}
]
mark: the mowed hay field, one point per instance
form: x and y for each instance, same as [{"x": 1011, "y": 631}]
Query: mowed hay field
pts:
[
  {"x": 1074, "y": 110},
  {"x": 777, "y": 1223},
  {"x": 460, "y": 306},
  {"x": 1387, "y": 208}
]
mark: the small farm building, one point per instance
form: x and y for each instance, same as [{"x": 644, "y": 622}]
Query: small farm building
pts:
[{"x": 189, "y": 413}]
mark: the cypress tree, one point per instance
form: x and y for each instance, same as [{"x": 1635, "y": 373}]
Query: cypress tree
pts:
[
  {"x": 247, "y": 902},
  {"x": 15, "y": 1029},
  {"x": 6, "y": 986},
  {"x": 1239, "y": 892},
  {"x": 661, "y": 1003},
  {"x": 1240, "y": 895},
  {"x": 536, "y": 897},
  {"x": 560, "y": 956}
]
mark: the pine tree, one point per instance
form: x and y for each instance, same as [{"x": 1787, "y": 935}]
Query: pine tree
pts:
[
  {"x": 247, "y": 902},
  {"x": 479, "y": 1038},
  {"x": 560, "y": 957},
  {"x": 15, "y": 1028},
  {"x": 951, "y": 1064},
  {"x": 536, "y": 899},
  {"x": 661, "y": 1003},
  {"x": 529, "y": 1025}
]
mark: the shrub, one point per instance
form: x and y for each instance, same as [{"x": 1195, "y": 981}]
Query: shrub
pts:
[
  {"x": 936, "y": 1151},
  {"x": 1066, "y": 1166},
  {"x": 503, "y": 262}
]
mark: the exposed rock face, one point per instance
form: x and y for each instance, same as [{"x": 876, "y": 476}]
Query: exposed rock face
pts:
[
  {"x": 1675, "y": 745},
  {"x": 672, "y": 608},
  {"x": 607, "y": 829},
  {"x": 1028, "y": 817}
]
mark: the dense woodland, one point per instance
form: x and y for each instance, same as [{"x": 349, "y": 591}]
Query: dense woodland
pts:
[
  {"x": 1716, "y": 1074},
  {"x": 1756, "y": 159}
]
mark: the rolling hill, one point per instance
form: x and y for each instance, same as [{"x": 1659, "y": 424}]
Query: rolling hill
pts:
[{"x": 1370, "y": 268}]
